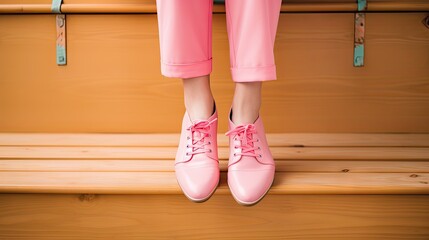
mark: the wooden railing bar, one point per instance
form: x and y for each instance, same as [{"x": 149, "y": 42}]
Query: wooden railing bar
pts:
[{"x": 218, "y": 8}]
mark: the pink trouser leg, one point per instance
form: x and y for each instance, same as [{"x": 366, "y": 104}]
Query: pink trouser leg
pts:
[
  {"x": 185, "y": 35},
  {"x": 252, "y": 27}
]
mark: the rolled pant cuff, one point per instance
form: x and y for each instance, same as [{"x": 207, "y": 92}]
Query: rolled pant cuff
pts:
[
  {"x": 254, "y": 74},
  {"x": 187, "y": 70}
]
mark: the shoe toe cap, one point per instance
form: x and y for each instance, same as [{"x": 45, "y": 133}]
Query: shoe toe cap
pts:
[
  {"x": 249, "y": 186},
  {"x": 198, "y": 183}
]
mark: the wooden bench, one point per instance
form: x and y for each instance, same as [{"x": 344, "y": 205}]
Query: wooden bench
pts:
[{"x": 332, "y": 185}]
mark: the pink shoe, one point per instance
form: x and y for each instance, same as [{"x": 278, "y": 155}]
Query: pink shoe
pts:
[
  {"x": 197, "y": 164},
  {"x": 251, "y": 167}
]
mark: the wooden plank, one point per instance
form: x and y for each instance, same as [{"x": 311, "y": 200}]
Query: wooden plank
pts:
[
  {"x": 150, "y": 7},
  {"x": 165, "y": 183},
  {"x": 295, "y": 153},
  {"x": 124, "y": 165},
  {"x": 333, "y": 97},
  {"x": 170, "y": 140},
  {"x": 324, "y": 217},
  {"x": 397, "y": 6}
]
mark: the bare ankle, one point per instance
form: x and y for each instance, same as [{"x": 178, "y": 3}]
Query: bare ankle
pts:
[
  {"x": 246, "y": 102},
  {"x": 244, "y": 114},
  {"x": 198, "y": 97},
  {"x": 200, "y": 109}
]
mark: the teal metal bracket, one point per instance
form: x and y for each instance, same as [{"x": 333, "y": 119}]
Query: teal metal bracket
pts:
[
  {"x": 56, "y": 6},
  {"x": 359, "y": 36},
  {"x": 60, "y": 19},
  {"x": 362, "y": 5}
]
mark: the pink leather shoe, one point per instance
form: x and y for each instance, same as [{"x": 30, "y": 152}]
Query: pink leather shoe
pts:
[
  {"x": 197, "y": 164},
  {"x": 251, "y": 167}
]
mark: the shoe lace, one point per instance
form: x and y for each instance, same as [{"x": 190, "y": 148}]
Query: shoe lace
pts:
[
  {"x": 245, "y": 135},
  {"x": 199, "y": 131}
]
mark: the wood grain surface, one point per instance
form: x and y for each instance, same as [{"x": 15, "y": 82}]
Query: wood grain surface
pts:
[
  {"x": 112, "y": 82},
  {"x": 62, "y": 163},
  {"x": 86, "y": 186},
  {"x": 171, "y": 139},
  {"x": 165, "y": 183},
  {"x": 149, "y": 6},
  {"x": 59, "y": 216}
]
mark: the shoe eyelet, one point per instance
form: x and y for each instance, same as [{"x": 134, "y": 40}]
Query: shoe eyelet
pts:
[
  {"x": 260, "y": 155},
  {"x": 259, "y": 148},
  {"x": 187, "y": 146},
  {"x": 188, "y": 137},
  {"x": 257, "y": 140},
  {"x": 209, "y": 142},
  {"x": 210, "y": 150},
  {"x": 235, "y": 154},
  {"x": 187, "y": 154}
]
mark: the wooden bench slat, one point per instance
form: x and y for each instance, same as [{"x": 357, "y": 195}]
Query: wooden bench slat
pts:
[
  {"x": 170, "y": 140},
  {"x": 302, "y": 153},
  {"x": 165, "y": 183},
  {"x": 124, "y": 165},
  {"x": 304, "y": 217}
]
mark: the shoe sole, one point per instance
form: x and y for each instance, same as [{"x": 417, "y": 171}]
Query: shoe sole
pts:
[
  {"x": 200, "y": 200},
  {"x": 249, "y": 204}
]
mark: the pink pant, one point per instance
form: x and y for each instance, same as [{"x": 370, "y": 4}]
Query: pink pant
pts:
[{"x": 185, "y": 37}]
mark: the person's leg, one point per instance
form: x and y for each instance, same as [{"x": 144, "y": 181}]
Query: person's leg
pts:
[
  {"x": 252, "y": 27},
  {"x": 185, "y": 28},
  {"x": 185, "y": 38}
]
